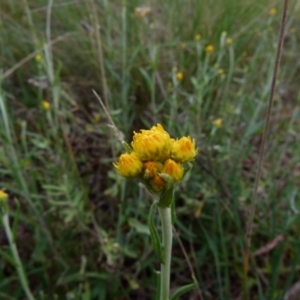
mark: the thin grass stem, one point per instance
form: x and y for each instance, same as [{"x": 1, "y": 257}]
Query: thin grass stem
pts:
[{"x": 249, "y": 229}]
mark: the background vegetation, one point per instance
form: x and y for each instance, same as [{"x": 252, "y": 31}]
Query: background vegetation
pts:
[{"x": 80, "y": 228}]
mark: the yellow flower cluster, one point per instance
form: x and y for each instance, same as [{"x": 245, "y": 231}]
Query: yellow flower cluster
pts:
[{"x": 154, "y": 153}]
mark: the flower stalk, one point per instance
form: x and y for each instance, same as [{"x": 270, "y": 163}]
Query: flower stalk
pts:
[
  {"x": 167, "y": 236},
  {"x": 159, "y": 162}
]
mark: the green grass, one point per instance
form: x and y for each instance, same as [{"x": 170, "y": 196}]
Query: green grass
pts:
[{"x": 80, "y": 228}]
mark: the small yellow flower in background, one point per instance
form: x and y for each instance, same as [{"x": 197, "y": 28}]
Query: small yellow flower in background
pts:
[
  {"x": 273, "y": 11},
  {"x": 292, "y": 30},
  {"x": 228, "y": 41},
  {"x": 3, "y": 196},
  {"x": 38, "y": 58},
  {"x": 45, "y": 105},
  {"x": 221, "y": 72},
  {"x": 129, "y": 165},
  {"x": 184, "y": 149},
  {"x": 198, "y": 37},
  {"x": 142, "y": 12},
  {"x": 182, "y": 45},
  {"x": 218, "y": 123},
  {"x": 152, "y": 168},
  {"x": 209, "y": 48},
  {"x": 179, "y": 76},
  {"x": 257, "y": 30},
  {"x": 153, "y": 144},
  {"x": 175, "y": 170}
]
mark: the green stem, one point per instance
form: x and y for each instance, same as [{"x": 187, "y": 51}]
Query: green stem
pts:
[
  {"x": 167, "y": 234},
  {"x": 17, "y": 260}
]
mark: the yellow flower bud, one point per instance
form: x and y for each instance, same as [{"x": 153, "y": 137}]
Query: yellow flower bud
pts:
[
  {"x": 273, "y": 11},
  {"x": 184, "y": 149},
  {"x": 179, "y": 76},
  {"x": 158, "y": 183},
  {"x": 228, "y": 41},
  {"x": 151, "y": 168},
  {"x": 129, "y": 165},
  {"x": 45, "y": 105},
  {"x": 198, "y": 37},
  {"x": 209, "y": 48},
  {"x": 153, "y": 144},
  {"x": 3, "y": 196},
  {"x": 218, "y": 123},
  {"x": 38, "y": 57},
  {"x": 174, "y": 169}
]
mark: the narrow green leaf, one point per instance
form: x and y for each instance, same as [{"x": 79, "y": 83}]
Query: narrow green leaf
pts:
[
  {"x": 189, "y": 167},
  {"x": 183, "y": 290},
  {"x": 138, "y": 226},
  {"x": 167, "y": 195},
  {"x": 154, "y": 234},
  {"x": 127, "y": 147}
]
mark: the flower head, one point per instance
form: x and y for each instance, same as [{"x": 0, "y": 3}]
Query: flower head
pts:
[
  {"x": 129, "y": 165},
  {"x": 152, "y": 168},
  {"x": 45, "y": 105},
  {"x": 218, "y": 123},
  {"x": 3, "y": 196},
  {"x": 153, "y": 144},
  {"x": 228, "y": 41},
  {"x": 184, "y": 149},
  {"x": 273, "y": 11},
  {"x": 3, "y": 201},
  {"x": 209, "y": 48},
  {"x": 221, "y": 72},
  {"x": 174, "y": 169},
  {"x": 179, "y": 76},
  {"x": 158, "y": 183},
  {"x": 38, "y": 58},
  {"x": 197, "y": 37}
]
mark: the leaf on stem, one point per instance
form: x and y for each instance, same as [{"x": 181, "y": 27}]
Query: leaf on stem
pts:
[
  {"x": 182, "y": 290},
  {"x": 167, "y": 195},
  {"x": 154, "y": 234}
]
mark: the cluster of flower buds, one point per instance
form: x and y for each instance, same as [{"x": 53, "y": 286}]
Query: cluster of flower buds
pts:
[{"x": 154, "y": 153}]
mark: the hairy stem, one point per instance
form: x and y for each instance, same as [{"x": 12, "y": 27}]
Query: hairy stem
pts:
[{"x": 167, "y": 235}]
